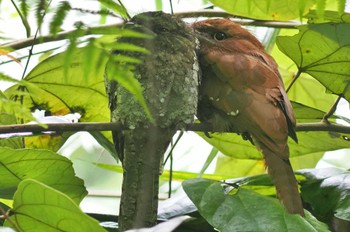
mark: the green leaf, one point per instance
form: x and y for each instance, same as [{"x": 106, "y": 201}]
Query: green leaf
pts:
[
  {"x": 42, "y": 165},
  {"x": 266, "y": 9},
  {"x": 123, "y": 74},
  {"x": 117, "y": 8},
  {"x": 213, "y": 153},
  {"x": 328, "y": 16},
  {"x": 244, "y": 210},
  {"x": 59, "y": 16},
  {"x": 176, "y": 175},
  {"x": 105, "y": 142},
  {"x": 7, "y": 118},
  {"x": 38, "y": 207},
  {"x": 323, "y": 51},
  {"x": 47, "y": 88},
  {"x": 329, "y": 185}
]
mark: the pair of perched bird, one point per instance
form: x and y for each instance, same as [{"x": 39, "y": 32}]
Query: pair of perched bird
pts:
[{"x": 239, "y": 88}]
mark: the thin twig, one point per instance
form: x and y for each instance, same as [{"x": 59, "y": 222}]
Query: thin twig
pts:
[
  {"x": 295, "y": 77},
  {"x": 239, "y": 19},
  {"x": 331, "y": 110},
  {"x": 115, "y": 126},
  {"x": 6, "y": 216},
  {"x": 19, "y": 44}
]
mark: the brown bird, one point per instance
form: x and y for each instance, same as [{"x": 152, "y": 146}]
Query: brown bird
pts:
[{"x": 242, "y": 90}]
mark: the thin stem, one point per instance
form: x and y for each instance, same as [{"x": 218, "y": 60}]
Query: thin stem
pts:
[
  {"x": 208, "y": 13},
  {"x": 332, "y": 110},
  {"x": 296, "y": 76},
  {"x": 122, "y": 5},
  {"x": 5, "y": 215},
  {"x": 171, "y": 7},
  {"x": 33, "y": 43},
  {"x": 24, "y": 20},
  {"x": 173, "y": 146},
  {"x": 116, "y": 126}
]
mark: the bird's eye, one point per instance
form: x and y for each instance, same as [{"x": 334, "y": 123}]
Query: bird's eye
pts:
[
  {"x": 220, "y": 36},
  {"x": 161, "y": 29}
]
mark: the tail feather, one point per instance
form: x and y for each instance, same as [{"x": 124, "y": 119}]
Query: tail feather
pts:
[{"x": 282, "y": 175}]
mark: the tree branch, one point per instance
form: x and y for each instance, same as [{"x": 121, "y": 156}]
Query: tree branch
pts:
[
  {"x": 115, "y": 126},
  {"x": 19, "y": 44}
]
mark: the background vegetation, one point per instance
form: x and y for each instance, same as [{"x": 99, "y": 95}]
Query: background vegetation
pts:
[{"x": 54, "y": 61}]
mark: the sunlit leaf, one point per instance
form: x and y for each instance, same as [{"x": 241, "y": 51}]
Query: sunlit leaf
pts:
[
  {"x": 42, "y": 165},
  {"x": 309, "y": 142},
  {"x": 329, "y": 16},
  {"x": 48, "y": 89},
  {"x": 59, "y": 16},
  {"x": 39, "y": 206},
  {"x": 323, "y": 51},
  {"x": 119, "y": 9},
  {"x": 266, "y": 9}
]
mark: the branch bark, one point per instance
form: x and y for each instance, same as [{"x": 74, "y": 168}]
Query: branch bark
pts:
[
  {"x": 116, "y": 126},
  {"x": 19, "y": 44}
]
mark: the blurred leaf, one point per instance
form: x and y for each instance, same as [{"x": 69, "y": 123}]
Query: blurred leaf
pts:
[
  {"x": 60, "y": 14},
  {"x": 7, "y": 118},
  {"x": 266, "y": 9},
  {"x": 213, "y": 153},
  {"x": 176, "y": 175},
  {"x": 309, "y": 142},
  {"x": 323, "y": 51},
  {"x": 117, "y": 8},
  {"x": 234, "y": 167},
  {"x": 40, "y": 8},
  {"x": 5, "y": 52},
  {"x": 46, "y": 88},
  {"x": 123, "y": 74},
  {"x": 245, "y": 210},
  {"x": 327, "y": 185},
  {"x": 42, "y": 165},
  {"x": 45, "y": 55},
  {"x": 105, "y": 142},
  {"x": 39, "y": 206},
  {"x": 329, "y": 16}
]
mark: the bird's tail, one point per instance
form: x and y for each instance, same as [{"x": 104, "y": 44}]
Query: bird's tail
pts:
[
  {"x": 143, "y": 151},
  {"x": 282, "y": 175}
]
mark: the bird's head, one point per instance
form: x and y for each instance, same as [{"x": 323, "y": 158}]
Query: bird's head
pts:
[
  {"x": 224, "y": 34},
  {"x": 162, "y": 27}
]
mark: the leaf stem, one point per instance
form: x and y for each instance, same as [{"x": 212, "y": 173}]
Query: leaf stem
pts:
[
  {"x": 5, "y": 215},
  {"x": 24, "y": 20},
  {"x": 331, "y": 110},
  {"x": 296, "y": 76}
]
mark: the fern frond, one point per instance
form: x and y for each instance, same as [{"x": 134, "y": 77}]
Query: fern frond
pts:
[
  {"x": 59, "y": 16},
  {"x": 24, "y": 7},
  {"x": 117, "y": 8},
  {"x": 40, "y": 9}
]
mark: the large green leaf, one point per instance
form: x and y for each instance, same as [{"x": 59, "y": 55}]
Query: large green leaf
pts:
[
  {"x": 7, "y": 118},
  {"x": 266, "y": 9},
  {"x": 244, "y": 210},
  {"x": 327, "y": 185},
  {"x": 309, "y": 142},
  {"x": 323, "y": 51},
  {"x": 306, "y": 90},
  {"x": 42, "y": 165},
  {"x": 47, "y": 88},
  {"x": 38, "y": 207}
]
